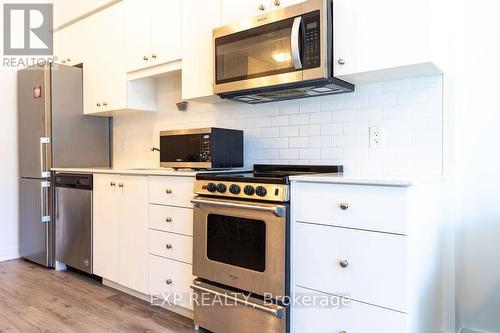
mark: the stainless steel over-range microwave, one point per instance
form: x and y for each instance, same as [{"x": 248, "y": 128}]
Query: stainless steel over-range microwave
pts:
[
  {"x": 284, "y": 54},
  {"x": 202, "y": 148}
]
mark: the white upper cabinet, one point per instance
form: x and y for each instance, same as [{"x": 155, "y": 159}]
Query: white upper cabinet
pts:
[
  {"x": 277, "y": 4},
  {"x": 198, "y": 20},
  {"x": 153, "y": 33},
  {"x": 69, "y": 50},
  {"x": 66, "y": 11},
  {"x": 106, "y": 89},
  {"x": 371, "y": 37},
  {"x": 234, "y": 11}
]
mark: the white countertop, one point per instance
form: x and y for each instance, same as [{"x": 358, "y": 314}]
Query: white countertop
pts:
[
  {"x": 365, "y": 179},
  {"x": 140, "y": 171}
]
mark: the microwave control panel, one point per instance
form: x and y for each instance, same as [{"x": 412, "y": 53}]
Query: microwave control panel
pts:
[
  {"x": 312, "y": 44},
  {"x": 205, "y": 148}
]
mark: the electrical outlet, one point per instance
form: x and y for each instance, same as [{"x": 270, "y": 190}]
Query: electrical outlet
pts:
[{"x": 376, "y": 137}]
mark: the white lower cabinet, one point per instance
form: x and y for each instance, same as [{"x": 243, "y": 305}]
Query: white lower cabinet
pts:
[
  {"x": 377, "y": 246},
  {"x": 170, "y": 280},
  {"x": 142, "y": 239},
  {"x": 353, "y": 317},
  {"x": 120, "y": 230}
]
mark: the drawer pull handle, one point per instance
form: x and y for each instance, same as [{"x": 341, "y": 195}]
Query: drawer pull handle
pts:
[
  {"x": 169, "y": 246},
  {"x": 121, "y": 185},
  {"x": 343, "y": 263},
  {"x": 168, "y": 281},
  {"x": 344, "y": 206},
  {"x": 168, "y": 191},
  {"x": 112, "y": 183},
  {"x": 168, "y": 219}
]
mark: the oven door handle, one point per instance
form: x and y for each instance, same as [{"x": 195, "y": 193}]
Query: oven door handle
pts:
[
  {"x": 295, "y": 42},
  {"x": 276, "y": 210},
  {"x": 275, "y": 312}
]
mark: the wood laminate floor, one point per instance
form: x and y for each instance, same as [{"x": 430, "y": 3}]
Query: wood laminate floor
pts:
[{"x": 36, "y": 299}]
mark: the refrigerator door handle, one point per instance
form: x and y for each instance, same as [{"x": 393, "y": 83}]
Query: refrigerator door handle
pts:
[
  {"x": 44, "y": 205},
  {"x": 43, "y": 141}
]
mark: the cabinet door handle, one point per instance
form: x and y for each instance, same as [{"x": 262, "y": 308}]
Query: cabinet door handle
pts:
[
  {"x": 168, "y": 281},
  {"x": 277, "y": 3},
  {"x": 98, "y": 104},
  {"x": 121, "y": 185},
  {"x": 169, "y": 246},
  {"x": 343, "y": 263},
  {"x": 168, "y": 191},
  {"x": 168, "y": 219},
  {"x": 145, "y": 58},
  {"x": 104, "y": 103},
  {"x": 344, "y": 205},
  {"x": 112, "y": 184},
  {"x": 341, "y": 61},
  {"x": 262, "y": 7},
  {"x": 154, "y": 56}
]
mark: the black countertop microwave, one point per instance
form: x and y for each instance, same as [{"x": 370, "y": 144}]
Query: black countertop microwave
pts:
[{"x": 203, "y": 148}]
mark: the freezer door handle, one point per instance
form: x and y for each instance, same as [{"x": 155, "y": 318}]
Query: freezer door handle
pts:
[
  {"x": 44, "y": 204},
  {"x": 43, "y": 142}
]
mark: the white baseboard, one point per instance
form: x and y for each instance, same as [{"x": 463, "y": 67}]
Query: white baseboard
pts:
[{"x": 9, "y": 254}]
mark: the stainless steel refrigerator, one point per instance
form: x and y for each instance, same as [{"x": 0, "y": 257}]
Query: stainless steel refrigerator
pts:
[{"x": 53, "y": 132}]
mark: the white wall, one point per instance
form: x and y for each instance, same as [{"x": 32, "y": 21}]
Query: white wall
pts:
[
  {"x": 9, "y": 244},
  {"x": 320, "y": 130},
  {"x": 478, "y": 165}
]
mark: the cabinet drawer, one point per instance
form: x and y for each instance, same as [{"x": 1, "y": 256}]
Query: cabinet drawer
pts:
[
  {"x": 355, "y": 318},
  {"x": 170, "y": 280},
  {"x": 169, "y": 245},
  {"x": 175, "y": 191},
  {"x": 376, "y": 264},
  {"x": 376, "y": 208},
  {"x": 172, "y": 219}
]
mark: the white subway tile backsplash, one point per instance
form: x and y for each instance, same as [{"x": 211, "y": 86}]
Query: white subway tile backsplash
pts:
[
  {"x": 300, "y": 142},
  {"x": 331, "y": 129},
  {"x": 289, "y": 154},
  {"x": 320, "y": 117},
  {"x": 383, "y": 99},
  {"x": 369, "y": 114},
  {"x": 289, "y": 108},
  {"x": 322, "y": 130},
  {"x": 310, "y": 153},
  {"x": 340, "y": 116},
  {"x": 356, "y": 102},
  {"x": 309, "y": 130},
  {"x": 289, "y": 131},
  {"x": 280, "y": 121},
  {"x": 279, "y": 143},
  {"x": 299, "y": 119},
  {"x": 320, "y": 141}
]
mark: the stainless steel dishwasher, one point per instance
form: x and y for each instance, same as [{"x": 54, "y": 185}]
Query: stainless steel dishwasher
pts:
[{"x": 74, "y": 220}]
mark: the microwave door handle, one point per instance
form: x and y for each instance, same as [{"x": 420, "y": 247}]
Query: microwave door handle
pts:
[{"x": 295, "y": 42}]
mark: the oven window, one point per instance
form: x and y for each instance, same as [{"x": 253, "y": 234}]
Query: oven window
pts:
[
  {"x": 237, "y": 241},
  {"x": 254, "y": 53}
]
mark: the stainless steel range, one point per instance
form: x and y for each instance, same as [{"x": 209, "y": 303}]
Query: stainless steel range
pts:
[{"x": 240, "y": 251}]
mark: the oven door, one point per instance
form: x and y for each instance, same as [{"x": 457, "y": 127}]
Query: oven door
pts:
[
  {"x": 270, "y": 49},
  {"x": 241, "y": 244}
]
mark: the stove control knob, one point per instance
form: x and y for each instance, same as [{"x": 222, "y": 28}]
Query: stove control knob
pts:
[
  {"x": 221, "y": 188},
  {"x": 261, "y": 191},
  {"x": 234, "y": 189},
  {"x": 211, "y": 187},
  {"x": 249, "y": 190}
]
